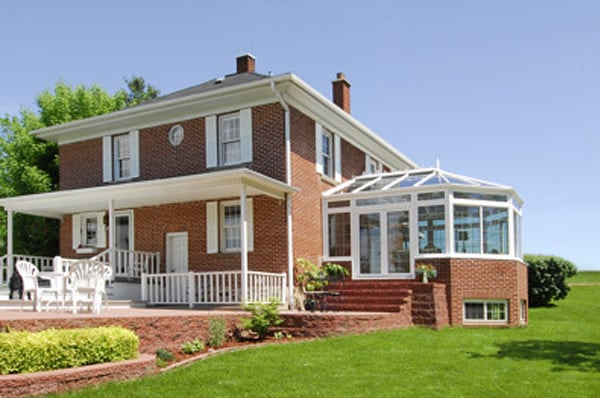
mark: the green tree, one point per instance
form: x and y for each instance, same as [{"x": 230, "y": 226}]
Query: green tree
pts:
[
  {"x": 139, "y": 91},
  {"x": 547, "y": 278},
  {"x": 29, "y": 165}
]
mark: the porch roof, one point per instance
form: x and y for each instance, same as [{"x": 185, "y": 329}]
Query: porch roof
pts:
[{"x": 207, "y": 186}]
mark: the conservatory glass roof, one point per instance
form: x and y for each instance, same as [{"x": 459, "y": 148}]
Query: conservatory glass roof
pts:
[{"x": 411, "y": 179}]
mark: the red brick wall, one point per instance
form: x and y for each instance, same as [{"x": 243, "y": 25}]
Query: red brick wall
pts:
[
  {"x": 153, "y": 223},
  {"x": 306, "y": 205},
  {"x": 81, "y": 163},
  {"x": 28, "y": 384},
  {"x": 468, "y": 278}
]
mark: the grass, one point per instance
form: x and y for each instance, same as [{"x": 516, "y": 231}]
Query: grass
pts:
[
  {"x": 585, "y": 277},
  {"x": 558, "y": 354}
]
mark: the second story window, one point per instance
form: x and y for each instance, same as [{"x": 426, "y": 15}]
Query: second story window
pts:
[
  {"x": 121, "y": 157},
  {"x": 329, "y": 153},
  {"x": 229, "y": 139}
]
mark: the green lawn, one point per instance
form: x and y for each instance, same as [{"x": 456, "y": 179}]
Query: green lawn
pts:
[
  {"x": 557, "y": 355},
  {"x": 586, "y": 277}
]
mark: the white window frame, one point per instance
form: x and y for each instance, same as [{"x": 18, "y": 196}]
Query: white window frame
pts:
[
  {"x": 215, "y": 142},
  {"x": 111, "y": 160},
  {"x": 372, "y": 165},
  {"x": 224, "y": 141},
  {"x": 328, "y": 163},
  {"x": 120, "y": 172},
  {"x": 215, "y": 226},
  {"x": 80, "y": 241},
  {"x": 485, "y": 319}
]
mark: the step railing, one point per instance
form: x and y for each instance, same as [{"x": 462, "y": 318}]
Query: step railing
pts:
[
  {"x": 212, "y": 288},
  {"x": 130, "y": 263}
]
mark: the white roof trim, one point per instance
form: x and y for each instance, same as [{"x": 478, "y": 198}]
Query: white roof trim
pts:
[{"x": 208, "y": 186}]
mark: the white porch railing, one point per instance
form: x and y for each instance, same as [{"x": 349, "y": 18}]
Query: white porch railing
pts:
[
  {"x": 224, "y": 287},
  {"x": 130, "y": 263},
  {"x": 42, "y": 263}
]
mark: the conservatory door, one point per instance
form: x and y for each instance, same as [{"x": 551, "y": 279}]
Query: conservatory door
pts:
[{"x": 386, "y": 232}]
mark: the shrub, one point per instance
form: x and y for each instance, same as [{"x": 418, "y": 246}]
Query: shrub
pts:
[
  {"x": 51, "y": 349},
  {"x": 547, "y": 278},
  {"x": 165, "y": 355},
  {"x": 263, "y": 317},
  {"x": 192, "y": 347},
  {"x": 216, "y": 332}
]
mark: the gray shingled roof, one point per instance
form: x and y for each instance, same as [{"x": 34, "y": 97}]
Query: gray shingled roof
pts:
[{"x": 214, "y": 84}]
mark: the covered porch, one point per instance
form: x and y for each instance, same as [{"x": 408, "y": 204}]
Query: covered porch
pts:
[{"x": 107, "y": 212}]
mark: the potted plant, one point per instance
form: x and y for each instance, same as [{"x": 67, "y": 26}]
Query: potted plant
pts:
[
  {"x": 335, "y": 272},
  {"x": 426, "y": 271}
]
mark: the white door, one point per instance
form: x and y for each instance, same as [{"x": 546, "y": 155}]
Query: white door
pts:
[{"x": 177, "y": 252}]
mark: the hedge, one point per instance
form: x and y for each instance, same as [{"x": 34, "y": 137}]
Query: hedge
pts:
[{"x": 51, "y": 349}]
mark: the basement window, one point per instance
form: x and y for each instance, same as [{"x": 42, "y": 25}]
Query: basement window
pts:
[{"x": 485, "y": 311}]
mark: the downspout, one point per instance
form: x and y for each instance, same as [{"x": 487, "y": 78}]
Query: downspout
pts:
[{"x": 288, "y": 196}]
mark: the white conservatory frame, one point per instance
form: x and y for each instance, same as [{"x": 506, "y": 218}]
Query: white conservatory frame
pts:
[{"x": 408, "y": 191}]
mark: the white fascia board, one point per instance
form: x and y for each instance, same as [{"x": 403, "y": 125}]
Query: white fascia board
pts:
[
  {"x": 220, "y": 184},
  {"x": 315, "y": 105},
  {"x": 163, "y": 112}
]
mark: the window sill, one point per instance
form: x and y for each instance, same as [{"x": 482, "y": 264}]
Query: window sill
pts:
[
  {"x": 86, "y": 250},
  {"x": 329, "y": 180}
]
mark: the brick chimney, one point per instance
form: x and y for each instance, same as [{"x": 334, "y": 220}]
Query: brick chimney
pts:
[
  {"x": 341, "y": 92},
  {"x": 246, "y": 63}
]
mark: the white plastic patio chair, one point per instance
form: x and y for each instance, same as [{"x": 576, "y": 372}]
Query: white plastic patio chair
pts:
[
  {"x": 86, "y": 284},
  {"x": 29, "y": 275},
  {"x": 107, "y": 276}
]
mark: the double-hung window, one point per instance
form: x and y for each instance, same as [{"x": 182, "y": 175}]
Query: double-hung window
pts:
[
  {"x": 89, "y": 231},
  {"x": 224, "y": 226},
  {"x": 229, "y": 139},
  {"x": 121, "y": 157},
  {"x": 329, "y": 153}
]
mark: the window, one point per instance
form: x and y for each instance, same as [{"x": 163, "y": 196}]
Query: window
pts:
[
  {"x": 224, "y": 226},
  {"x": 329, "y": 153},
  {"x": 485, "y": 311},
  {"x": 432, "y": 229},
  {"x": 121, "y": 157},
  {"x": 232, "y": 228},
  {"x": 480, "y": 229},
  {"x": 372, "y": 166},
  {"x": 89, "y": 231},
  {"x": 229, "y": 138},
  {"x": 523, "y": 311},
  {"x": 339, "y": 234}
]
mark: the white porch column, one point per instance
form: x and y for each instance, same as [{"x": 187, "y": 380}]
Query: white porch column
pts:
[
  {"x": 9, "y": 242},
  {"x": 290, "y": 250},
  {"x": 244, "y": 244},
  {"x": 111, "y": 235}
]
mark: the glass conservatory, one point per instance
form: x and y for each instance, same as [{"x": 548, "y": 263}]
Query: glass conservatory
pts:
[{"x": 383, "y": 223}]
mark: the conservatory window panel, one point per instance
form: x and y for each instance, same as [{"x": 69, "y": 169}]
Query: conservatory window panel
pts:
[
  {"x": 495, "y": 230},
  {"x": 370, "y": 243},
  {"x": 432, "y": 229},
  {"x": 467, "y": 229},
  {"x": 339, "y": 235},
  {"x": 398, "y": 238}
]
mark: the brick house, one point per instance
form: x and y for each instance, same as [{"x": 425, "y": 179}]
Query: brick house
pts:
[{"x": 208, "y": 194}]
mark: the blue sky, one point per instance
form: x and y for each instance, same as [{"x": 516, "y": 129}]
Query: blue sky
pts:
[{"x": 507, "y": 91}]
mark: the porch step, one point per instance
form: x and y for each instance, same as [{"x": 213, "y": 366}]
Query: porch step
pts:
[{"x": 369, "y": 296}]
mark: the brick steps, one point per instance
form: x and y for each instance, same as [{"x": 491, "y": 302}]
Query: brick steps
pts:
[{"x": 369, "y": 296}]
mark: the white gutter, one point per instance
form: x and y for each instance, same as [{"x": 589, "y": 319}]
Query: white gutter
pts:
[{"x": 288, "y": 197}]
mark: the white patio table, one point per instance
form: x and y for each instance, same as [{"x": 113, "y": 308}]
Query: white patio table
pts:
[{"x": 58, "y": 282}]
